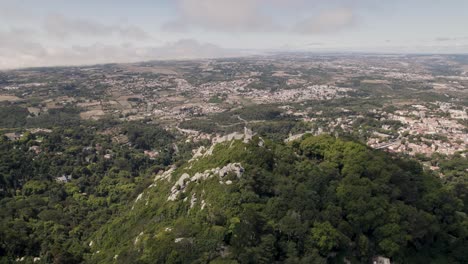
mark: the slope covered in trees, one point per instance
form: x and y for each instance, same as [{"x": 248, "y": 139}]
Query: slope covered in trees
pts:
[
  {"x": 58, "y": 187},
  {"x": 316, "y": 200}
]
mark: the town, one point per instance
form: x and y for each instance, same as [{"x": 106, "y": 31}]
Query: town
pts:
[{"x": 371, "y": 96}]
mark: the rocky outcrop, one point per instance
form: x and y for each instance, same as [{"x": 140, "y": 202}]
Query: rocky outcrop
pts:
[
  {"x": 231, "y": 167},
  {"x": 180, "y": 185},
  {"x": 380, "y": 260}
]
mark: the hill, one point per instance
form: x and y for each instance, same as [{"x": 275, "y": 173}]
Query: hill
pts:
[{"x": 314, "y": 200}]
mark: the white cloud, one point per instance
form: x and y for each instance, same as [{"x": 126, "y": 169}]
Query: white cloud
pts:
[
  {"x": 133, "y": 32},
  {"x": 441, "y": 39},
  {"x": 17, "y": 41},
  {"x": 327, "y": 21},
  {"x": 63, "y": 27},
  {"x": 190, "y": 49},
  {"x": 25, "y": 53},
  {"x": 277, "y": 16},
  {"x": 13, "y": 13},
  {"x": 17, "y": 49},
  {"x": 314, "y": 44},
  {"x": 220, "y": 15}
]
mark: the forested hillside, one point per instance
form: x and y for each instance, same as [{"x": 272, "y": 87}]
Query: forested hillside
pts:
[
  {"x": 81, "y": 196},
  {"x": 315, "y": 200},
  {"x": 57, "y": 187}
]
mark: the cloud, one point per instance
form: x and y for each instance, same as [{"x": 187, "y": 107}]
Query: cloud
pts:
[
  {"x": 13, "y": 13},
  {"x": 190, "y": 49},
  {"x": 133, "y": 32},
  {"x": 20, "y": 53},
  {"x": 278, "y": 16},
  {"x": 18, "y": 41},
  {"x": 17, "y": 49},
  {"x": 220, "y": 15},
  {"x": 443, "y": 39},
  {"x": 63, "y": 27},
  {"x": 327, "y": 21},
  {"x": 315, "y": 44}
]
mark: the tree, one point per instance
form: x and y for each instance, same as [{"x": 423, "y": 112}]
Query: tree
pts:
[{"x": 325, "y": 237}]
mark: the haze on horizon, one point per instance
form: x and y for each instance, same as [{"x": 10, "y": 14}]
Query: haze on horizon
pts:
[{"x": 53, "y": 32}]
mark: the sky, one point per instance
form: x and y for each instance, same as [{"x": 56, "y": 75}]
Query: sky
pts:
[{"x": 64, "y": 32}]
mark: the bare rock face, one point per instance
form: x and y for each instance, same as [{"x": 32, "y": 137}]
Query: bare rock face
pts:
[
  {"x": 193, "y": 200},
  {"x": 163, "y": 176},
  {"x": 381, "y": 260},
  {"x": 185, "y": 178},
  {"x": 137, "y": 239},
  {"x": 229, "y": 137},
  {"x": 198, "y": 153},
  {"x": 178, "y": 187},
  {"x": 231, "y": 167},
  {"x": 248, "y": 134}
]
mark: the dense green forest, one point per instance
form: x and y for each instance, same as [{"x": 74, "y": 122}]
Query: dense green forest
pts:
[
  {"x": 76, "y": 195},
  {"x": 315, "y": 201},
  {"x": 57, "y": 188}
]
